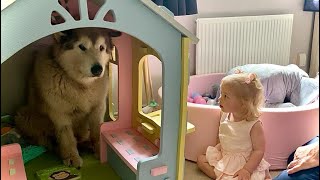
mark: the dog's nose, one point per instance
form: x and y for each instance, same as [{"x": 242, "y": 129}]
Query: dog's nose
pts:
[{"x": 96, "y": 69}]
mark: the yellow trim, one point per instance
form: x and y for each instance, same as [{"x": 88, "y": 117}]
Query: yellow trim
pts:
[
  {"x": 139, "y": 52},
  {"x": 183, "y": 107},
  {"x": 155, "y": 113},
  {"x": 114, "y": 61},
  {"x": 110, "y": 92},
  {"x": 148, "y": 127},
  {"x": 156, "y": 118},
  {"x": 136, "y": 83}
]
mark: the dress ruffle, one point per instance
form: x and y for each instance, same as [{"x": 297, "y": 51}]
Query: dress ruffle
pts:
[
  {"x": 264, "y": 165},
  {"x": 213, "y": 155},
  {"x": 229, "y": 163}
]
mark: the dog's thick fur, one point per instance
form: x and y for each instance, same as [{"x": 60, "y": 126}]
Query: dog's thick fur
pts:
[{"x": 67, "y": 92}]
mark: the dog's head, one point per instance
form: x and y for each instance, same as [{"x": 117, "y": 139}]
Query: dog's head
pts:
[{"x": 84, "y": 53}]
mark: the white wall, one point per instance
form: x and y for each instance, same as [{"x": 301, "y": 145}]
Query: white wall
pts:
[
  {"x": 302, "y": 24},
  {"x": 301, "y": 33}
]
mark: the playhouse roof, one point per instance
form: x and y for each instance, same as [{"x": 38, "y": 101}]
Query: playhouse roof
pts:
[
  {"x": 170, "y": 19},
  {"x": 156, "y": 9}
]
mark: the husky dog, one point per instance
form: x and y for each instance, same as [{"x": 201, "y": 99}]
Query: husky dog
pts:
[{"x": 67, "y": 92}]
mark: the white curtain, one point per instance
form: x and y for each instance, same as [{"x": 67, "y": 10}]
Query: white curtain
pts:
[{"x": 314, "y": 62}]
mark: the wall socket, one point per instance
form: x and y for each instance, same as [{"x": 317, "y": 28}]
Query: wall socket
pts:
[{"x": 302, "y": 59}]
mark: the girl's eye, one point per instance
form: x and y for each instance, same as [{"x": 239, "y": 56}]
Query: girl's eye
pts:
[
  {"x": 101, "y": 48},
  {"x": 82, "y": 47}
]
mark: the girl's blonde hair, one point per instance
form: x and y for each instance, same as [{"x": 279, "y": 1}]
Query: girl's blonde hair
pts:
[{"x": 248, "y": 88}]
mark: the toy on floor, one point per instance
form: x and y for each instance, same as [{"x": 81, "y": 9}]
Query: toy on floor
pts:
[
  {"x": 31, "y": 152},
  {"x": 59, "y": 173},
  {"x": 9, "y": 135},
  {"x": 6, "y": 126},
  {"x": 12, "y": 167}
]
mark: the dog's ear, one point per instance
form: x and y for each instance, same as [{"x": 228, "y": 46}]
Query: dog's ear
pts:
[
  {"x": 61, "y": 37},
  {"x": 113, "y": 33},
  {"x": 110, "y": 34}
]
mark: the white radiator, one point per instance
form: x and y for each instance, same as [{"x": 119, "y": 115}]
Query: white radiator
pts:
[{"x": 232, "y": 41}]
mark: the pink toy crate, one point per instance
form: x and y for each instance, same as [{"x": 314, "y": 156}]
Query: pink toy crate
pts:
[{"x": 12, "y": 167}]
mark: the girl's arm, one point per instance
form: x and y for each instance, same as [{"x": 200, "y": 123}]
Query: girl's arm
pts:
[
  {"x": 258, "y": 147},
  {"x": 218, "y": 140}
]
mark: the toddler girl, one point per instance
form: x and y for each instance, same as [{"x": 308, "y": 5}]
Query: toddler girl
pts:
[{"x": 241, "y": 144}]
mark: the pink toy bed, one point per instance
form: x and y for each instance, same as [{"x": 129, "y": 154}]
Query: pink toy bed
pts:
[{"x": 285, "y": 128}]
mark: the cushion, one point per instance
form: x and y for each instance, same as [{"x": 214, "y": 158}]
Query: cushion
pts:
[
  {"x": 280, "y": 82},
  {"x": 309, "y": 92}
]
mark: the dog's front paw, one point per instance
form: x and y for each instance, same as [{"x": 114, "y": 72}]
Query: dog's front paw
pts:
[{"x": 73, "y": 160}]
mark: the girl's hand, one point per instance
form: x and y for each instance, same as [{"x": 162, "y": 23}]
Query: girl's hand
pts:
[
  {"x": 242, "y": 174},
  {"x": 305, "y": 157}
]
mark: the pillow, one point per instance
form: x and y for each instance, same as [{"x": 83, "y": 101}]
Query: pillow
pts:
[
  {"x": 279, "y": 82},
  {"x": 309, "y": 92},
  {"x": 279, "y": 105}
]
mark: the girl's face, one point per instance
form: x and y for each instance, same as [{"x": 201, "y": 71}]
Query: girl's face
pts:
[{"x": 229, "y": 102}]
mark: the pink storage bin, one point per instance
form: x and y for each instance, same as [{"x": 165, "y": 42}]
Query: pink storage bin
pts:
[
  {"x": 285, "y": 128},
  {"x": 12, "y": 166}
]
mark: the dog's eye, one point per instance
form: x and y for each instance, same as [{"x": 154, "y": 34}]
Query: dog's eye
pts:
[
  {"x": 82, "y": 47},
  {"x": 101, "y": 48}
]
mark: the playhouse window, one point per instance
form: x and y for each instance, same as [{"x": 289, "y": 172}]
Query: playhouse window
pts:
[
  {"x": 151, "y": 81},
  {"x": 149, "y": 113}
]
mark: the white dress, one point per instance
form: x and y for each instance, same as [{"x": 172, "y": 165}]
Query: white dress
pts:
[{"x": 234, "y": 149}]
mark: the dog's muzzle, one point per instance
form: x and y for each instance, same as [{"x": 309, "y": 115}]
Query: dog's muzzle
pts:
[{"x": 96, "y": 70}]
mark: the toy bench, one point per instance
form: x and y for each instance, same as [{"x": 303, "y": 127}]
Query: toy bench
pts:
[
  {"x": 126, "y": 147},
  {"x": 12, "y": 167},
  {"x": 130, "y": 145}
]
